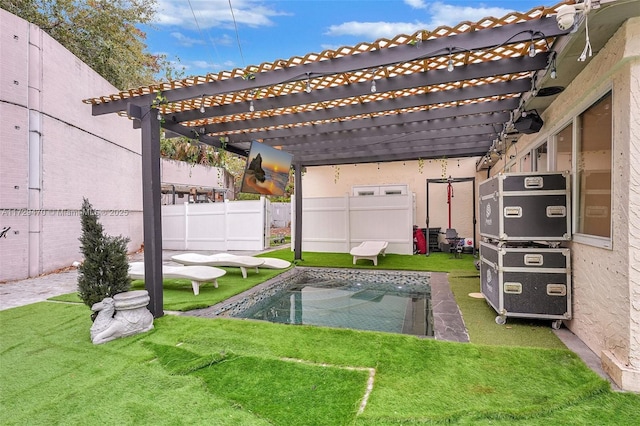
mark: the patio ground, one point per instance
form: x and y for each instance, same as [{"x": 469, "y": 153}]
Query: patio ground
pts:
[{"x": 32, "y": 290}]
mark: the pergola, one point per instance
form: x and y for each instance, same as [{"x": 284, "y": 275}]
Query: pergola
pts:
[{"x": 454, "y": 92}]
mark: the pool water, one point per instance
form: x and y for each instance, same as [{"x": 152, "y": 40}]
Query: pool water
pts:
[{"x": 390, "y": 302}]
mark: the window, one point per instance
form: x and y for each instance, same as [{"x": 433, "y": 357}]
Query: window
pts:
[
  {"x": 525, "y": 163},
  {"x": 540, "y": 158},
  {"x": 593, "y": 169},
  {"x": 564, "y": 147}
]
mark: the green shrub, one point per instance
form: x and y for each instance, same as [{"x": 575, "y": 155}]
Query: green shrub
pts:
[{"x": 104, "y": 271}]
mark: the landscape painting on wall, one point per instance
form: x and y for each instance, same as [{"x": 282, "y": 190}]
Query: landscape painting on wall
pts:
[{"x": 267, "y": 170}]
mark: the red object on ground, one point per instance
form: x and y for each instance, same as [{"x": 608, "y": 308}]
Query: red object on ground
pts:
[{"x": 421, "y": 241}]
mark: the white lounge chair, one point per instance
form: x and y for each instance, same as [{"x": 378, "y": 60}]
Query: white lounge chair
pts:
[
  {"x": 227, "y": 259},
  {"x": 274, "y": 263},
  {"x": 369, "y": 250},
  {"x": 220, "y": 259},
  {"x": 198, "y": 275}
]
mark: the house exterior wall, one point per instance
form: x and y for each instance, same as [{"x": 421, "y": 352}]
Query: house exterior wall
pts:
[
  {"x": 183, "y": 174},
  {"x": 606, "y": 281},
  {"x": 53, "y": 153},
  {"x": 336, "y": 181}
]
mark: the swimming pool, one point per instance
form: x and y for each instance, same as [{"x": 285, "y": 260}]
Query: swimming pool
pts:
[
  {"x": 377, "y": 302},
  {"x": 442, "y": 318}
]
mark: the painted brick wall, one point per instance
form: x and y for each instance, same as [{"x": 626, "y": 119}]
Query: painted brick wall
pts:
[
  {"x": 52, "y": 143},
  {"x": 606, "y": 282}
]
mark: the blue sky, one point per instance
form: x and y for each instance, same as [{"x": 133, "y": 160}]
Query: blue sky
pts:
[{"x": 201, "y": 36}]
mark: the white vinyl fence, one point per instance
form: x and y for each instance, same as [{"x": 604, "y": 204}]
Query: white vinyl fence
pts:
[
  {"x": 280, "y": 215},
  {"x": 337, "y": 224},
  {"x": 228, "y": 226}
]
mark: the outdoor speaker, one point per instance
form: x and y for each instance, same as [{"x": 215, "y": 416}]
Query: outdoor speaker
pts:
[{"x": 532, "y": 123}]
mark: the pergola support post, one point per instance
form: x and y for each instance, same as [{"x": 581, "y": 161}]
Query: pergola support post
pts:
[
  {"x": 298, "y": 213},
  {"x": 151, "y": 202}
]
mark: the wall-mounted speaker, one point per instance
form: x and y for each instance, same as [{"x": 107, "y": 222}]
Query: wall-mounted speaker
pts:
[{"x": 532, "y": 123}]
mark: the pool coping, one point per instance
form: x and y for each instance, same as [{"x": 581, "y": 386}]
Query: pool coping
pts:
[{"x": 447, "y": 319}]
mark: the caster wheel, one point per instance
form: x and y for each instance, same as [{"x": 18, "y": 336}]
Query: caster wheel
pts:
[
  {"x": 500, "y": 320},
  {"x": 556, "y": 324}
]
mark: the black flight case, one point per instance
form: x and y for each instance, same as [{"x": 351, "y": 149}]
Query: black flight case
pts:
[
  {"x": 527, "y": 282},
  {"x": 526, "y": 207},
  {"x": 524, "y": 218}
]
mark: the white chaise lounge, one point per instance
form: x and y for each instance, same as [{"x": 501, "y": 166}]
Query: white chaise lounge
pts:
[
  {"x": 369, "y": 250},
  {"x": 274, "y": 263},
  {"x": 220, "y": 259},
  {"x": 231, "y": 260},
  {"x": 198, "y": 275}
]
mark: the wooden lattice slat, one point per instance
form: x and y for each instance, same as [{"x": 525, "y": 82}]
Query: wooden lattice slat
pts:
[{"x": 418, "y": 65}]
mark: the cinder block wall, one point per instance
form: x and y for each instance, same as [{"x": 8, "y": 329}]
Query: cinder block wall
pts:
[{"x": 53, "y": 153}]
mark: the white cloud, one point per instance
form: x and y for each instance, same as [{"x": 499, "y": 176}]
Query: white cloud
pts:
[
  {"x": 436, "y": 14},
  {"x": 214, "y": 13},
  {"x": 183, "y": 40},
  {"x": 223, "y": 40},
  {"x": 199, "y": 67},
  {"x": 202, "y": 64},
  {"x": 448, "y": 14},
  {"x": 416, "y": 4},
  {"x": 374, "y": 30}
]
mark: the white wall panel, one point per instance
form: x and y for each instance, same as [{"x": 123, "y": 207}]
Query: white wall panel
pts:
[
  {"x": 336, "y": 224},
  {"x": 228, "y": 226}
]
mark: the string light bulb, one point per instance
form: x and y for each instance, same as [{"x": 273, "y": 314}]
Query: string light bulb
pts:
[
  {"x": 532, "y": 49},
  {"x": 159, "y": 116},
  {"x": 251, "y": 107},
  {"x": 374, "y": 89},
  {"x": 450, "y": 64},
  {"x": 307, "y": 87},
  {"x": 202, "y": 105},
  {"x": 554, "y": 73}
]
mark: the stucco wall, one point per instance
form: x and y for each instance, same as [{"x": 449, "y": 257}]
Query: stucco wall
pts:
[
  {"x": 606, "y": 281},
  {"x": 182, "y": 173},
  {"x": 330, "y": 181},
  {"x": 53, "y": 153}
]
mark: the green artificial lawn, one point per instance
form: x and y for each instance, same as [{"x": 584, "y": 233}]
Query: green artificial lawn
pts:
[
  {"x": 190, "y": 370},
  {"x": 479, "y": 318},
  {"x": 227, "y": 371},
  {"x": 178, "y": 294},
  {"x": 435, "y": 262}
]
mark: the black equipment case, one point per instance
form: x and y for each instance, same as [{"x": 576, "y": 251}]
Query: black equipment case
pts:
[
  {"x": 529, "y": 281},
  {"x": 526, "y": 207}
]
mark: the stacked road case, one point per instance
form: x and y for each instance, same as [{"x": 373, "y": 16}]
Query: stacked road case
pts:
[{"x": 524, "y": 218}]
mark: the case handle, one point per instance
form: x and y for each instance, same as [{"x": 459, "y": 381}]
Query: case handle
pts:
[
  {"x": 556, "y": 211},
  {"x": 532, "y": 182},
  {"x": 513, "y": 211},
  {"x": 512, "y": 288},
  {"x": 556, "y": 289},
  {"x": 533, "y": 259}
]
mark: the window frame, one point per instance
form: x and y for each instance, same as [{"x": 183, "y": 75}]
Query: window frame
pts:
[
  {"x": 573, "y": 118},
  {"x": 589, "y": 239}
]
